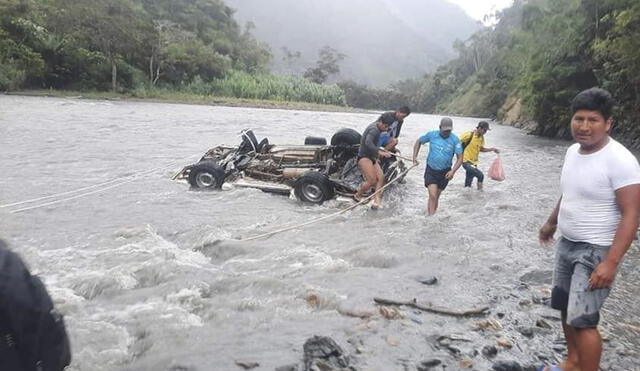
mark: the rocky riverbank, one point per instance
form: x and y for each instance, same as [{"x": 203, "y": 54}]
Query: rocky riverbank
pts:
[{"x": 516, "y": 332}]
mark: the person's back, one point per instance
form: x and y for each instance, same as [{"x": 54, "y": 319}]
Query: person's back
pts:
[{"x": 32, "y": 333}]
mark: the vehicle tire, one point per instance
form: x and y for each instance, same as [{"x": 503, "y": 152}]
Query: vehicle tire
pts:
[
  {"x": 315, "y": 141},
  {"x": 249, "y": 142},
  {"x": 262, "y": 146},
  {"x": 313, "y": 187},
  {"x": 346, "y": 137},
  {"x": 206, "y": 175}
]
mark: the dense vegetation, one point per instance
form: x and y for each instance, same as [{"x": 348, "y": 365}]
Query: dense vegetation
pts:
[
  {"x": 530, "y": 65},
  {"x": 126, "y": 45}
]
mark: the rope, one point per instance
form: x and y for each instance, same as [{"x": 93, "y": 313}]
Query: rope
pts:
[
  {"x": 81, "y": 189},
  {"x": 318, "y": 220},
  {"x": 132, "y": 179}
]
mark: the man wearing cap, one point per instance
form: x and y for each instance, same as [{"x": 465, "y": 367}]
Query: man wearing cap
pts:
[
  {"x": 389, "y": 139},
  {"x": 473, "y": 142},
  {"x": 443, "y": 144}
]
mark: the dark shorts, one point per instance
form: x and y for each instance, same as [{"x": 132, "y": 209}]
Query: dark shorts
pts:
[
  {"x": 437, "y": 177},
  {"x": 575, "y": 261}
]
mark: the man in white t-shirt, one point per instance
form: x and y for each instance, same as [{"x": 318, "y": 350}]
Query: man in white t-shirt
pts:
[{"x": 597, "y": 215}]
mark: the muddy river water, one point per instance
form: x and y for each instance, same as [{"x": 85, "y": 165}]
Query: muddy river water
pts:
[{"x": 149, "y": 277}]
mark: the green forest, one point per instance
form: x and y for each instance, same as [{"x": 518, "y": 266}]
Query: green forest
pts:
[
  {"x": 540, "y": 54},
  {"x": 139, "y": 46},
  {"x": 523, "y": 71}
]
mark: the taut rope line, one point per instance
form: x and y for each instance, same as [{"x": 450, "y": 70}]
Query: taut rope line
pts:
[{"x": 318, "y": 220}]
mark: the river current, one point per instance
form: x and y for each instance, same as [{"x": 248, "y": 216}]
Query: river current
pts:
[{"x": 149, "y": 277}]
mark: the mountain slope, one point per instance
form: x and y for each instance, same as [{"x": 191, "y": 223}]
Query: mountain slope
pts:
[{"x": 384, "y": 40}]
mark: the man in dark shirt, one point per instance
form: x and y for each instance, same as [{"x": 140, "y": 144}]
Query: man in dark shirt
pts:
[
  {"x": 368, "y": 158},
  {"x": 389, "y": 140},
  {"x": 32, "y": 333}
]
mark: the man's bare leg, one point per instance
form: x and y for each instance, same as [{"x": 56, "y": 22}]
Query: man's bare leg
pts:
[
  {"x": 379, "y": 184},
  {"x": 571, "y": 363},
  {"x": 369, "y": 172},
  {"x": 589, "y": 346},
  {"x": 434, "y": 195}
]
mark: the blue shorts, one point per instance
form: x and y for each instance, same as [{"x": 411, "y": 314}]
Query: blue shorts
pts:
[{"x": 385, "y": 138}]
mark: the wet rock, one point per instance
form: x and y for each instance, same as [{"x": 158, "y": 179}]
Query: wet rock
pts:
[
  {"x": 390, "y": 313},
  {"x": 489, "y": 351},
  {"x": 428, "y": 365},
  {"x": 552, "y": 318},
  {"x": 539, "y": 299},
  {"x": 292, "y": 367},
  {"x": 524, "y": 303},
  {"x": 537, "y": 277},
  {"x": 543, "y": 324},
  {"x": 392, "y": 341},
  {"x": 507, "y": 366},
  {"x": 323, "y": 353},
  {"x": 504, "y": 342},
  {"x": 559, "y": 348},
  {"x": 247, "y": 365},
  {"x": 428, "y": 280},
  {"x": 488, "y": 324},
  {"x": 496, "y": 267},
  {"x": 500, "y": 315},
  {"x": 542, "y": 331},
  {"x": 466, "y": 363},
  {"x": 526, "y": 331}
]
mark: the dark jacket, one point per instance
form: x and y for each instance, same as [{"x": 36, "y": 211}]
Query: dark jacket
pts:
[
  {"x": 32, "y": 333},
  {"x": 396, "y": 127},
  {"x": 369, "y": 142}
]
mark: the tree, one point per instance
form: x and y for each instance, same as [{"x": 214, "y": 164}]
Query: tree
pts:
[{"x": 328, "y": 64}]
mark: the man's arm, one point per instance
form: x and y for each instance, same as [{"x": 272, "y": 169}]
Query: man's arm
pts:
[
  {"x": 416, "y": 151},
  {"x": 455, "y": 168},
  {"x": 628, "y": 200},
  {"x": 548, "y": 229},
  {"x": 490, "y": 149}
]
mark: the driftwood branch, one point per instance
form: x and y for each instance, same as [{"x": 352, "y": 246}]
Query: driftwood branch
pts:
[{"x": 433, "y": 309}]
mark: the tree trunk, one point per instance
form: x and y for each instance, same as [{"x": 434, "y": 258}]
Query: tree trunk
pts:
[
  {"x": 155, "y": 80},
  {"x": 597, "y": 20},
  {"x": 151, "y": 69},
  {"x": 114, "y": 76}
]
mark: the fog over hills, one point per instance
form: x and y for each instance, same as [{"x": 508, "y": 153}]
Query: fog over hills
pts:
[{"x": 384, "y": 40}]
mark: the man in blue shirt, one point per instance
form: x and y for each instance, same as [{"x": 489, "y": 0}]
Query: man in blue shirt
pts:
[{"x": 442, "y": 146}]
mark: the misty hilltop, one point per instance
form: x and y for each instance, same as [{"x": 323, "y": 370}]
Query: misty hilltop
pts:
[{"x": 384, "y": 40}]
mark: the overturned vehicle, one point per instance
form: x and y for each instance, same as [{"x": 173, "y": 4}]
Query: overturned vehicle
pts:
[{"x": 313, "y": 172}]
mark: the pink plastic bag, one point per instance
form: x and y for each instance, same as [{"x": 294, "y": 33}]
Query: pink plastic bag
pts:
[{"x": 495, "y": 171}]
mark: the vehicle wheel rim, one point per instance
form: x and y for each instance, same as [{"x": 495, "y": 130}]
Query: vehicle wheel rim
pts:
[
  {"x": 205, "y": 180},
  {"x": 312, "y": 193}
]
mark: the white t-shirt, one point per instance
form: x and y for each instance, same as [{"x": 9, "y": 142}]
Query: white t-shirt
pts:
[{"x": 588, "y": 210}]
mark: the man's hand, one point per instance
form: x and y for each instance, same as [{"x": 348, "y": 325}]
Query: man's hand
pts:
[
  {"x": 603, "y": 276},
  {"x": 384, "y": 153},
  {"x": 415, "y": 161},
  {"x": 450, "y": 175},
  {"x": 546, "y": 234}
]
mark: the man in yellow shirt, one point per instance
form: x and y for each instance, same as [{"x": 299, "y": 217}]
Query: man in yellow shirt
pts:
[{"x": 473, "y": 143}]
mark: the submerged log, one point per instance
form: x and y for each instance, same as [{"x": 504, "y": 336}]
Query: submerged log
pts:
[{"x": 427, "y": 307}]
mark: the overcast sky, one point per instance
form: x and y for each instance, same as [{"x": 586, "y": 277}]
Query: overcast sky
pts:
[{"x": 478, "y": 8}]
